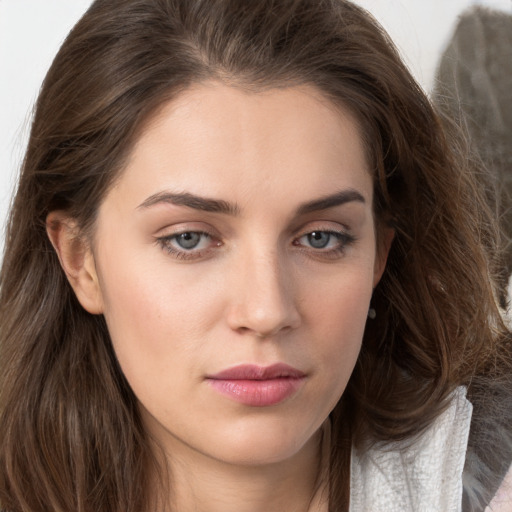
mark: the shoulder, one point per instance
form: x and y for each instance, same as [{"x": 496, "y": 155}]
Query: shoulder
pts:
[
  {"x": 456, "y": 465},
  {"x": 425, "y": 474}
]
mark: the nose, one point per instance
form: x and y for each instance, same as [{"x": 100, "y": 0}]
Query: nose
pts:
[{"x": 264, "y": 301}]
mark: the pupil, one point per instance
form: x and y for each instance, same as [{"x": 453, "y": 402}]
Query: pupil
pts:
[
  {"x": 319, "y": 239},
  {"x": 188, "y": 240}
]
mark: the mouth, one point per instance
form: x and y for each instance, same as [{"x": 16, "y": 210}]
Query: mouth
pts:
[{"x": 258, "y": 386}]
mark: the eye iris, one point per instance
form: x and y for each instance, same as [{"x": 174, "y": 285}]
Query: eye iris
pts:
[
  {"x": 188, "y": 240},
  {"x": 319, "y": 239}
]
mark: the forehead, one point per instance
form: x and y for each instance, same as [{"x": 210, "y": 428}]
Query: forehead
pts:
[{"x": 219, "y": 141}]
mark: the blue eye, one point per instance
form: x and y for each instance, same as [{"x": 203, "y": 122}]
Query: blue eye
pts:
[
  {"x": 319, "y": 239},
  {"x": 187, "y": 244},
  {"x": 325, "y": 244},
  {"x": 189, "y": 240},
  {"x": 325, "y": 240}
]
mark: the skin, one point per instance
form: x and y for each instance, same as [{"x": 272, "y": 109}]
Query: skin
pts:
[{"x": 256, "y": 289}]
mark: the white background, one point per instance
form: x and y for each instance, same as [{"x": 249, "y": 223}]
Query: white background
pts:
[{"x": 32, "y": 30}]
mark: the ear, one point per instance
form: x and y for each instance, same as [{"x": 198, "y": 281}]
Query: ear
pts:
[
  {"x": 76, "y": 259},
  {"x": 384, "y": 241}
]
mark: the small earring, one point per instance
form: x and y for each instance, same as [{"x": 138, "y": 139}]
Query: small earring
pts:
[{"x": 372, "y": 314}]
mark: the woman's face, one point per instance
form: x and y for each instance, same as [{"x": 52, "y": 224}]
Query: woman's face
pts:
[{"x": 235, "y": 260}]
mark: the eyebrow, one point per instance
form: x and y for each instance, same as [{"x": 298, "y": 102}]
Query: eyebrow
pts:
[
  {"x": 192, "y": 201},
  {"x": 220, "y": 206},
  {"x": 337, "y": 199}
]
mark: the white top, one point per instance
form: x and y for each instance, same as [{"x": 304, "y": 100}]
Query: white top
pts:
[{"x": 424, "y": 477}]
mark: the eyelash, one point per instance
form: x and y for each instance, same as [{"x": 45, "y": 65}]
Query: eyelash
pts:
[
  {"x": 345, "y": 240},
  {"x": 166, "y": 241}
]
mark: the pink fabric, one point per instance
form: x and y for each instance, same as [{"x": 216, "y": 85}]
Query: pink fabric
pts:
[{"x": 502, "y": 502}]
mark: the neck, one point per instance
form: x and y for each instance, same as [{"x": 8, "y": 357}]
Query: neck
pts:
[{"x": 202, "y": 484}]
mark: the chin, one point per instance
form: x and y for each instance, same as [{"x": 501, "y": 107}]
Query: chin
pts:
[{"x": 258, "y": 445}]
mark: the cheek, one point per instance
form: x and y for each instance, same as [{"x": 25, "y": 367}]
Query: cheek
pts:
[
  {"x": 147, "y": 291},
  {"x": 339, "y": 302},
  {"x": 338, "y": 317},
  {"x": 157, "y": 319}
]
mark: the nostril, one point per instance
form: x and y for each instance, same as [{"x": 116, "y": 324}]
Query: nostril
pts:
[{"x": 264, "y": 334}]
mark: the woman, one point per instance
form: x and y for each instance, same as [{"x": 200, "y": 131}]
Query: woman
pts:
[{"x": 246, "y": 269}]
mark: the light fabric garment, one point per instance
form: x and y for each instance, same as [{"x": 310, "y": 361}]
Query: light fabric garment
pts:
[{"x": 424, "y": 477}]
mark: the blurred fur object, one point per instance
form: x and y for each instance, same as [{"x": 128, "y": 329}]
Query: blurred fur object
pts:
[{"x": 474, "y": 87}]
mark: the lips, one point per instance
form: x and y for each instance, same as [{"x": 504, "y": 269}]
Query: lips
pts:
[{"x": 258, "y": 386}]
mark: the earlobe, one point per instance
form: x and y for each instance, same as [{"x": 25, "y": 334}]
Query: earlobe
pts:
[
  {"x": 381, "y": 258},
  {"x": 76, "y": 259}
]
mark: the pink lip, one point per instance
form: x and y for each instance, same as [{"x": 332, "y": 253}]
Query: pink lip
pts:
[{"x": 258, "y": 386}]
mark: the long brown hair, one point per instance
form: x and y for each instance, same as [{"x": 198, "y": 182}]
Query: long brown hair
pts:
[{"x": 71, "y": 438}]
